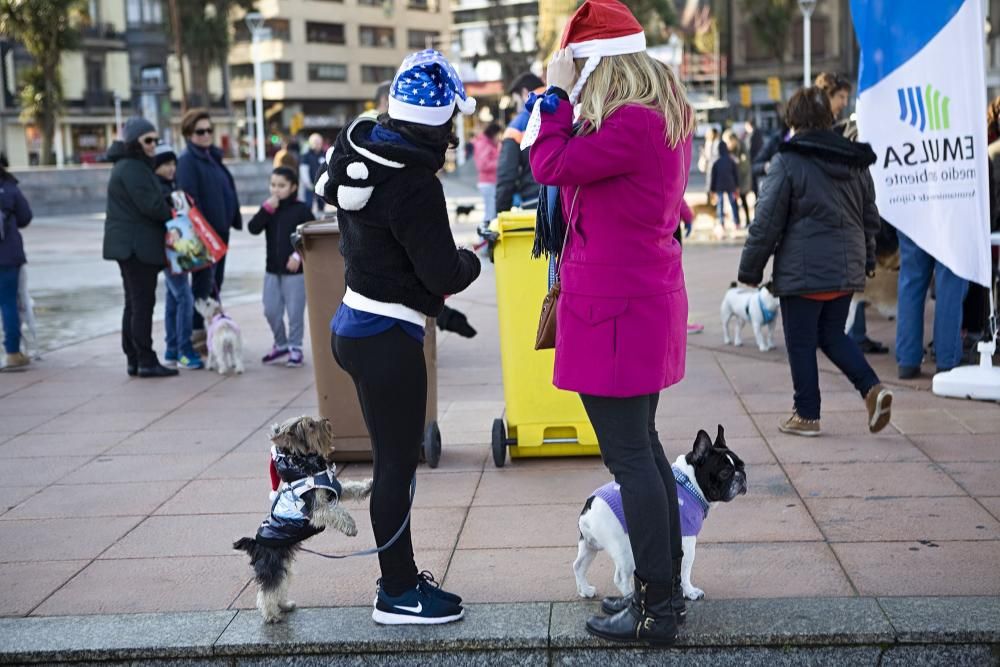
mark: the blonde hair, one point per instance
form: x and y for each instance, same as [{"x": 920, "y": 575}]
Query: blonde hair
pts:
[{"x": 636, "y": 78}]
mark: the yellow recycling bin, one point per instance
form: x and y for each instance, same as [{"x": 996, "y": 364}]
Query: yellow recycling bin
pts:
[{"x": 539, "y": 419}]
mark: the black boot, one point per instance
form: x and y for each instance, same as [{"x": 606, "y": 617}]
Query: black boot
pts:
[
  {"x": 677, "y": 594},
  {"x": 649, "y": 618},
  {"x": 614, "y": 604}
]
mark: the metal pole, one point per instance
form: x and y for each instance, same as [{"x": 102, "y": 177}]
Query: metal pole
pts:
[
  {"x": 176, "y": 21},
  {"x": 118, "y": 114},
  {"x": 251, "y": 150},
  {"x": 258, "y": 91},
  {"x": 807, "y": 48}
]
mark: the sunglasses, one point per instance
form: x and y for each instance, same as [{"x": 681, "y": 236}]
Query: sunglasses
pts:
[
  {"x": 149, "y": 141},
  {"x": 202, "y": 131}
]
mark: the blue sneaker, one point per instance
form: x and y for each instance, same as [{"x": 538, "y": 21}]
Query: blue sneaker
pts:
[
  {"x": 425, "y": 580},
  {"x": 170, "y": 358},
  {"x": 415, "y": 607},
  {"x": 191, "y": 362}
]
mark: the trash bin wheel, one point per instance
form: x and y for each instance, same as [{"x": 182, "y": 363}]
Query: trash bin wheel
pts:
[
  {"x": 432, "y": 445},
  {"x": 499, "y": 443}
]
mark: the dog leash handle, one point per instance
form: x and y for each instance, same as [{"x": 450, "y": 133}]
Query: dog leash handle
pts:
[{"x": 377, "y": 549}]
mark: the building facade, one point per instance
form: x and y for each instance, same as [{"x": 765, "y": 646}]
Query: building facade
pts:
[
  {"x": 323, "y": 59},
  {"x": 124, "y": 67}
]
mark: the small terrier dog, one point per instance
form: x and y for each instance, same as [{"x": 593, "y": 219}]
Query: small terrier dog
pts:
[
  {"x": 305, "y": 500},
  {"x": 757, "y": 306},
  {"x": 224, "y": 341},
  {"x": 709, "y": 473}
]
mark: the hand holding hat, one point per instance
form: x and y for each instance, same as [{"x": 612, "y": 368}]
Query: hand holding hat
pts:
[{"x": 561, "y": 71}]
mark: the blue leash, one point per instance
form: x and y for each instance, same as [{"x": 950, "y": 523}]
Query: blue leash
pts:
[{"x": 369, "y": 552}]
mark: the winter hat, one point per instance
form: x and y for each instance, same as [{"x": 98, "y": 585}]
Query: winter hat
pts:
[
  {"x": 427, "y": 89},
  {"x": 598, "y": 28},
  {"x": 164, "y": 153},
  {"x": 135, "y": 128}
]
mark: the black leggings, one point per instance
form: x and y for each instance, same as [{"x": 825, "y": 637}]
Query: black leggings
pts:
[
  {"x": 631, "y": 449},
  {"x": 390, "y": 375}
]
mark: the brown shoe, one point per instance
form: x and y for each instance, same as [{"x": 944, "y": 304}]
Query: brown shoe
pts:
[
  {"x": 878, "y": 400},
  {"x": 796, "y": 425},
  {"x": 15, "y": 362}
]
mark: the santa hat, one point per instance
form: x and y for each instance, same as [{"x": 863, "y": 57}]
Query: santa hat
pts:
[
  {"x": 427, "y": 89},
  {"x": 598, "y": 28}
]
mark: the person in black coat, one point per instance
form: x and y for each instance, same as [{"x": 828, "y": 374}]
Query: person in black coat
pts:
[
  {"x": 724, "y": 182},
  {"x": 284, "y": 283},
  {"x": 134, "y": 230},
  {"x": 516, "y": 185},
  {"x": 400, "y": 262},
  {"x": 15, "y": 214},
  {"x": 201, "y": 174},
  {"x": 817, "y": 216}
]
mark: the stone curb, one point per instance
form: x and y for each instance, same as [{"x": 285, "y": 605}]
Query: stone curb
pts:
[{"x": 884, "y": 631}]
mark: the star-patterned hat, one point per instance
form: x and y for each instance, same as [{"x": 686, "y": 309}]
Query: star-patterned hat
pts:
[{"x": 427, "y": 89}]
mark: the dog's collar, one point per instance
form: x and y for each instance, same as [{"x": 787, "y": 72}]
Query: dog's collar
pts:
[
  {"x": 767, "y": 315},
  {"x": 686, "y": 482}
]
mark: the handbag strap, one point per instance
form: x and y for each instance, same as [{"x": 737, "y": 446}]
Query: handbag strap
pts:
[{"x": 569, "y": 224}]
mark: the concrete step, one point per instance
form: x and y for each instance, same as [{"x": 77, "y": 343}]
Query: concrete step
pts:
[{"x": 815, "y": 631}]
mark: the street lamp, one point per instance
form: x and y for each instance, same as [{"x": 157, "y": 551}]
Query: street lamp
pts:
[
  {"x": 255, "y": 22},
  {"x": 807, "y": 7}
]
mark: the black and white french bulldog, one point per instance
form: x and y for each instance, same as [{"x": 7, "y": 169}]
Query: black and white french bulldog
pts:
[{"x": 709, "y": 473}]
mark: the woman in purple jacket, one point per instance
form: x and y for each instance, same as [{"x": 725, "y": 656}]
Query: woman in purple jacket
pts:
[{"x": 622, "y": 311}]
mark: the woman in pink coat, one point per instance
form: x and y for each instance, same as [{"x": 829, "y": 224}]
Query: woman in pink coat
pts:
[{"x": 622, "y": 311}]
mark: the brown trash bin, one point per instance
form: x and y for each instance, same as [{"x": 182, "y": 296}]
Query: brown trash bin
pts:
[{"x": 338, "y": 400}]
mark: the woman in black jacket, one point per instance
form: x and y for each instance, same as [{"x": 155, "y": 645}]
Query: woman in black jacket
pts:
[
  {"x": 134, "y": 229},
  {"x": 401, "y": 261},
  {"x": 817, "y": 215}
]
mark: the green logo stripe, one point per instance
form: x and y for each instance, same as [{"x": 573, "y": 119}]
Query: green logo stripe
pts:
[
  {"x": 931, "y": 100},
  {"x": 944, "y": 113}
]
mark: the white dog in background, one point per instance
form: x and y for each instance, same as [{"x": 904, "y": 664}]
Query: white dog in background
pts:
[
  {"x": 225, "y": 343},
  {"x": 26, "y": 311},
  {"x": 746, "y": 304}
]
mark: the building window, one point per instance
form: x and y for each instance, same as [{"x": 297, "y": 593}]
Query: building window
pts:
[
  {"x": 325, "y": 33},
  {"x": 144, "y": 12},
  {"x": 280, "y": 30},
  {"x": 818, "y": 30},
  {"x": 95, "y": 66},
  {"x": 377, "y": 73},
  {"x": 373, "y": 3},
  {"x": 382, "y": 38},
  {"x": 419, "y": 5},
  {"x": 327, "y": 72},
  {"x": 422, "y": 39},
  {"x": 272, "y": 71}
]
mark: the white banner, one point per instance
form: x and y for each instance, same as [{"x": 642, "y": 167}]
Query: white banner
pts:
[{"x": 922, "y": 107}]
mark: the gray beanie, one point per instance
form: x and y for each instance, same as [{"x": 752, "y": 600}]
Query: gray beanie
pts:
[{"x": 135, "y": 128}]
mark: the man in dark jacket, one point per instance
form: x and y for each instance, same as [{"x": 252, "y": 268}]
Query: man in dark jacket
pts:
[
  {"x": 515, "y": 184},
  {"x": 201, "y": 174},
  {"x": 15, "y": 214},
  {"x": 817, "y": 215},
  {"x": 724, "y": 181},
  {"x": 134, "y": 229}
]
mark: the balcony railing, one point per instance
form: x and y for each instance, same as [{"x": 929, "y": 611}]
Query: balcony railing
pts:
[
  {"x": 98, "y": 99},
  {"x": 101, "y": 31}
]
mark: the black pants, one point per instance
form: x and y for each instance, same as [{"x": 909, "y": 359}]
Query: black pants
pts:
[
  {"x": 391, "y": 379},
  {"x": 810, "y": 324},
  {"x": 139, "y": 280},
  {"x": 207, "y": 283},
  {"x": 631, "y": 449},
  {"x": 746, "y": 206}
]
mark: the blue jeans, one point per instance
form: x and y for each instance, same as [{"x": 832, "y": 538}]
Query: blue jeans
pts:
[
  {"x": 810, "y": 324},
  {"x": 720, "y": 198},
  {"x": 8, "y": 309},
  {"x": 179, "y": 315},
  {"x": 915, "y": 267},
  {"x": 489, "y": 192}
]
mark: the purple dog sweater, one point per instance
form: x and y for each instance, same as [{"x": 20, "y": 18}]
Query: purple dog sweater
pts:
[{"x": 691, "y": 509}]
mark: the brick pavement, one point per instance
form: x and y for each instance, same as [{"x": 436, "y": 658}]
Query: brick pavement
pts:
[{"x": 121, "y": 495}]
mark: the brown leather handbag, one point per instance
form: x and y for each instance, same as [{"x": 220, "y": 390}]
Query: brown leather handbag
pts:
[{"x": 545, "y": 339}]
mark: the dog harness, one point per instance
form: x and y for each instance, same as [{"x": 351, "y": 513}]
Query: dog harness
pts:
[
  {"x": 767, "y": 315},
  {"x": 215, "y": 325},
  {"x": 693, "y": 506},
  {"x": 288, "y": 521}
]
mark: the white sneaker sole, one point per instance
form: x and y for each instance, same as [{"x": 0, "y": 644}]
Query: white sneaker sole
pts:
[
  {"x": 388, "y": 618},
  {"x": 883, "y": 408},
  {"x": 792, "y": 431}
]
